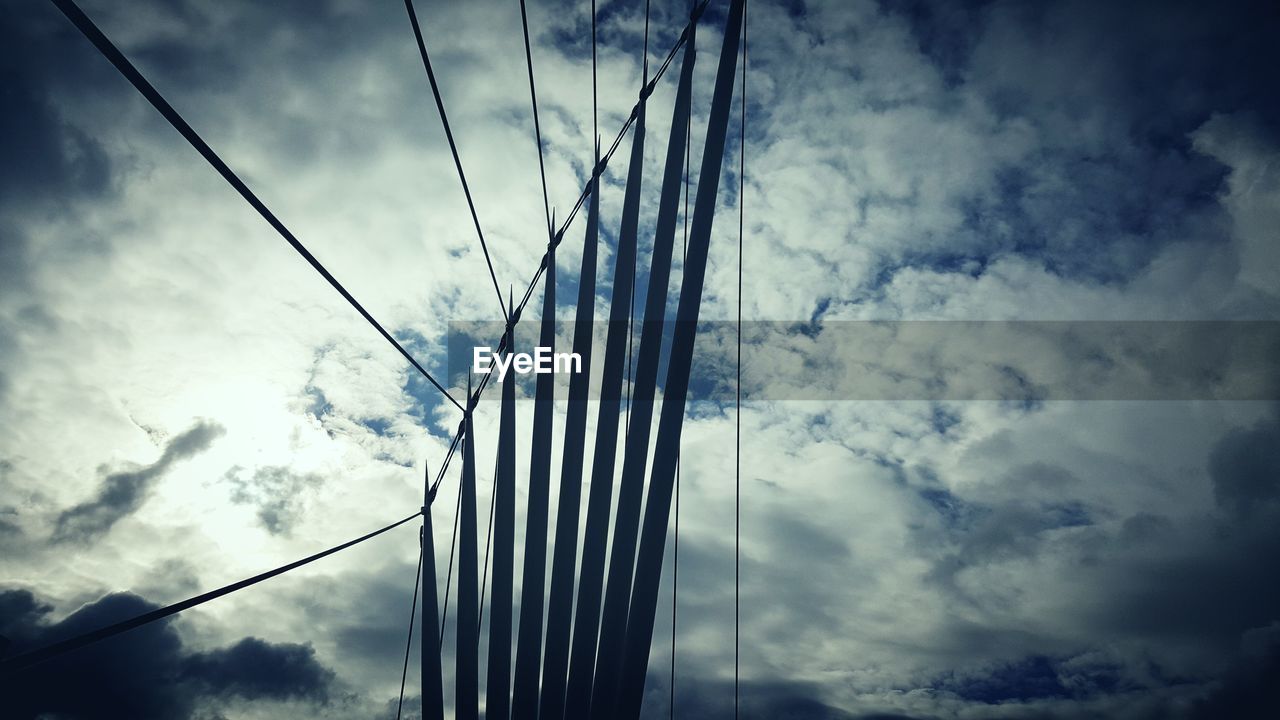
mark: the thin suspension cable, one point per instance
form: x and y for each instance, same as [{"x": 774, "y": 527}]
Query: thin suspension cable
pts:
[
  {"x": 488, "y": 542},
  {"x": 595, "y": 112},
  {"x": 408, "y": 641},
  {"x": 537, "y": 127},
  {"x": 453, "y": 148},
  {"x": 599, "y": 168},
  {"x": 65, "y": 646},
  {"x": 586, "y": 190},
  {"x": 143, "y": 86},
  {"x": 645, "y": 61},
  {"x": 737, "y": 437},
  {"x": 448, "y": 575},
  {"x": 453, "y": 446}
]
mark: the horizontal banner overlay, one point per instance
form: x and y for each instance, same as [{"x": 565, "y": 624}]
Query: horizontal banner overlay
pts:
[{"x": 1020, "y": 361}]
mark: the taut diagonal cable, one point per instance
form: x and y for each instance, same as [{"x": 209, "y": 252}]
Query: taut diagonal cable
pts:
[
  {"x": 75, "y": 643},
  {"x": 537, "y": 127},
  {"x": 126, "y": 68},
  {"x": 453, "y": 148},
  {"x": 408, "y": 641},
  {"x": 598, "y": 169}
]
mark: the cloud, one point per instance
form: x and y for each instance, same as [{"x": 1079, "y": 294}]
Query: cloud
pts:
[
  {"x": 254, "y": 669},
  {"x": 122, "y": 493},
  {"x": 1245, "y": 467},
  {"x": 276, "y": 491},
  {"x": 148, "y": 673},
  {"x": 1248, "y": 690},
  {"x": 904, "y": 160},
  {"x": 713, "y": 698}
]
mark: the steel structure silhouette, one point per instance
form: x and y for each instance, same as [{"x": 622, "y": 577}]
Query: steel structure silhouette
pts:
[{"x": 590, "y": 659}]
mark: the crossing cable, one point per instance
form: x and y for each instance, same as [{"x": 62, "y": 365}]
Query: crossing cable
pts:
[
  {"x": 514, "y": 318},
  {"x": 453, "y": 148},
  {"x": 599, "y": 169},
  {"x": 143, "y": 86},
  {"x": 413, "y": 609},
  {"x": 74, "y": 643},
  {"x": 737, "y": 415},
  {"x": 537, "y": 127},
  {"x": 488, "y": 542},
  {"x": 448, "y": 575}
]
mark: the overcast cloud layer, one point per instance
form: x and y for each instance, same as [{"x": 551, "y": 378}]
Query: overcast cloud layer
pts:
[{"x": 185, "y": 403}]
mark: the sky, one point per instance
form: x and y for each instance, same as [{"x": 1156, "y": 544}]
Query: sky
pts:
[{"x": 185, "y": 403}]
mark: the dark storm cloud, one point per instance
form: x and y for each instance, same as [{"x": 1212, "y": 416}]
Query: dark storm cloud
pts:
[
  {"x": 276, "y": 491},
  {"x": 1215, "y": 586},
  {"x": 944, "y": 32},
  {"x": 704, "y": 696},
  {"x": 987, "y": 534},
  {"x": 1245, "y": 468},
  {"x": 122, "y": 493},
  {"x": 1032, "y": 678},
  {"x": 1203, "y": 585},
  {"x": 44, "y": 154},
  {"x": 146, "y": 673},
  {"x": 46, "y": 161},
  {"x": 1114, "y": 91},
  {"x": 1249, "y": 688},
  {"x": 253, "y": 668}
]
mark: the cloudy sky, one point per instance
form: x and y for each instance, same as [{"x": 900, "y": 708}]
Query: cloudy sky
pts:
[{"x": 185, "y": 403}]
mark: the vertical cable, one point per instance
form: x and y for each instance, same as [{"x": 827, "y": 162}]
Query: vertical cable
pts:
[
  {"x": 595, "y": 113},
  {"x": 737, "y": 438},
  {"x": 488, "y": 542},
  {"x": 413, "y": 610},
  {"x": 448, "y": 575}
]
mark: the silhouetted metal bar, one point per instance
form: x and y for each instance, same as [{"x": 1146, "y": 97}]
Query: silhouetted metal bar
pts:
[
  {"x": 586, "y": 626},
  {"x": 498, "y": 687},
  {"x": 582, "y": 197},
  {"x": 631, "y": 486},
  {"x": 126, "y": 68},
  {"x": 648, "y": 88},
  {"x": 644, "y": 598},
  {"x": 432, "y": 670},
  {"x": 533, "y": 582},
  {"x": 560, "y": 605},
  {"x": 637, "y": 441},
  {"x": 466, "y": 704}
]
